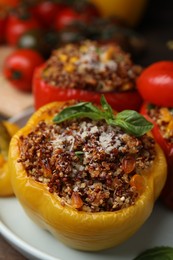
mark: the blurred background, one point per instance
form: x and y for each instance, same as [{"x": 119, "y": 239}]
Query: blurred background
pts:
[{"x": 156, "y": 26}]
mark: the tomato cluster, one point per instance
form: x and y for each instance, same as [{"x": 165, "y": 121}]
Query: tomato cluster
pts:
[
  {"x": 44, "y": 15},
  {"x": 155, "y": 85},
  {"x": 43, "y": 25},
  {"x": 32, "y": 27}
]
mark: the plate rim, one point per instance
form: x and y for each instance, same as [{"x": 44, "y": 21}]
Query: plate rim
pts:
[{"x": 26, "y": 113}]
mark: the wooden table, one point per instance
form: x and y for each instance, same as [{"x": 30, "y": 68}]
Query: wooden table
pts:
[
  {"x": 157, "y": 28},
  {"x": 7, "y": 252},
  {"x": 12, "y": 101}
]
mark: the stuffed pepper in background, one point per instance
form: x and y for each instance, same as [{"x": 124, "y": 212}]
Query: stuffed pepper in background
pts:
[
  {"x": 7, "y": 130},
  {"x": 129, "y": 11},
  {"x": 155, "y": 85},
  {"x": 88, "y": 175},
  {"x": 84, "y": 71}
]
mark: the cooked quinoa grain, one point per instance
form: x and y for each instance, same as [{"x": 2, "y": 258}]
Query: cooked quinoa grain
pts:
[
  {"x": 88, "y": 164},
  {"x": 163, "y": 117},
  {"x": 91, "y": 66}
]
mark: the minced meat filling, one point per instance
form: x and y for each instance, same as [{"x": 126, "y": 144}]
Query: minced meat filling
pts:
[
  {"x": 163, "y": 116},
  {"x": 88, "y": 164},
  {"x": 91, "y": 66}
]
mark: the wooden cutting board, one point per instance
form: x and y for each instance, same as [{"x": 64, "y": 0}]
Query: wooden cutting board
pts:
[{"x": 12, "y": 101}]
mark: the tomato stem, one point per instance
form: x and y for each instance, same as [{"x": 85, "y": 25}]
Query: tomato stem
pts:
[{"x": 16, "y": 75}]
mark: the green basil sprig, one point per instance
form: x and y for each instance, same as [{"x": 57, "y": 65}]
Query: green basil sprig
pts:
[
  {"x": 160, "y": 253},
  {"x": 129, "y": 120}
]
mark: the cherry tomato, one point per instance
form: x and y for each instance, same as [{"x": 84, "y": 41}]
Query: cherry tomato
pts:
[
  {"x": 9, "y": 3},
  {"x": 70, "y": 14},
  {"x": 45, "y": 12},
  {"x": 45, "y": 93},
  {"x": 19, "y": 67},
  {"x": 17, "y": 25},
  {"x": 87, "y": 8},
  {"x": 155, "y": 83},
  {"x": 66, "y": 17},
  {"x": 3, "y": 21}
]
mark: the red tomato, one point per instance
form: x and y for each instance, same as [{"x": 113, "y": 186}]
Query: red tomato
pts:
[
  {"x": 9, "y": 3},
  {"x": 45, "y": 93},
  {"x": 69, "y": 15},
  {"x": 16, "y": 26},
  {"x": 90, "y": 10},
  {"x": 46, "y": 11},
  {"x": 167, "y": 193},
  {"x": 155, "y": 83},
  {"x": 19, "y": 67},
  {"x": 66, "y": 17},
  {"x": 2, "y": 28}
]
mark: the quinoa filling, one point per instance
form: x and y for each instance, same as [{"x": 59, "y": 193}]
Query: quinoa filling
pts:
[
  {"x": 91, "y": 66},
  {"x": 90, "y": 165},
  {"x": 163, "y": 117}
]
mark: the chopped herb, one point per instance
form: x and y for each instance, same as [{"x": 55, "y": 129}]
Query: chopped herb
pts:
[
  {"x": 79, "y": 153},
  {"x": 171, "y": 110},
  {"x": 150, "y": 106},
  {"x": 170, "y": 44},
  {"x": 129, "y": 120},
  {"x": 98, "y": 51}
]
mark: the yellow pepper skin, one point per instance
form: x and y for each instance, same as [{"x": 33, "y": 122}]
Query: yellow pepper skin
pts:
[
  {"x": 5, "y": 182},
  {"x": 78, "y": 229},
  {"x": 130, "y": 11}
]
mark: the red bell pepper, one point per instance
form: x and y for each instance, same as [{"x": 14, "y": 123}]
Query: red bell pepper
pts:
[
  {"x": 45, "y": 93},
  {"x": 167, "y": 193}
]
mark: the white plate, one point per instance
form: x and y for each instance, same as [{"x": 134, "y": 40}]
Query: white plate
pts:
[{"x": 35, "y": 243}]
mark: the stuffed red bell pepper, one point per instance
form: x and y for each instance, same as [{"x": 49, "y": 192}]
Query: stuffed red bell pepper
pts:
[
  {"x": 155, "y": 85},
  {"x": 162, "y": 118},
  {"x": 84, "y": 71}
]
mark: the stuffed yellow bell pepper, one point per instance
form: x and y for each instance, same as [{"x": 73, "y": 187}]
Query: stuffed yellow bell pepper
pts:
[
  {"x": 130, "y": 11},
  {"x": 7, "y": 130},
  {"x": 88, "y": 175}
]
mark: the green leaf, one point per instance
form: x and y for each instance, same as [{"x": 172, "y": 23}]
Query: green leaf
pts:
[
  {"x": 130, "y": 121},
  {"x": 156, "y": 253},
  {"x": 133, "y": 122},
  {"x": 106, "y": 107},
  {"x": 83, "y": 109}
]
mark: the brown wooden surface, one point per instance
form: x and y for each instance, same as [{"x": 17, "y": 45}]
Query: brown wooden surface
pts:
[
  {"x": 7, "y": 252},
  {"x": 157, "y": 28},
  {"x": 12, "y": 101}
]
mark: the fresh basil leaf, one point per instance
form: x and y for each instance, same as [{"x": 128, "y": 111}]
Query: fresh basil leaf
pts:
[
  {"x": 106, "y": 107},
  {"x": 83, "y": 109},
  {"x": 133, "y": 122},
  {"x": 156, "y": 253},
  {"x": 130, "y": 121}
]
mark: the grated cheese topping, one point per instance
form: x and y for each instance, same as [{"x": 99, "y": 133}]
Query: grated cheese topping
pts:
[
  {"x": 87, "y": 163},
  {"x": 92, "y": 66}
]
